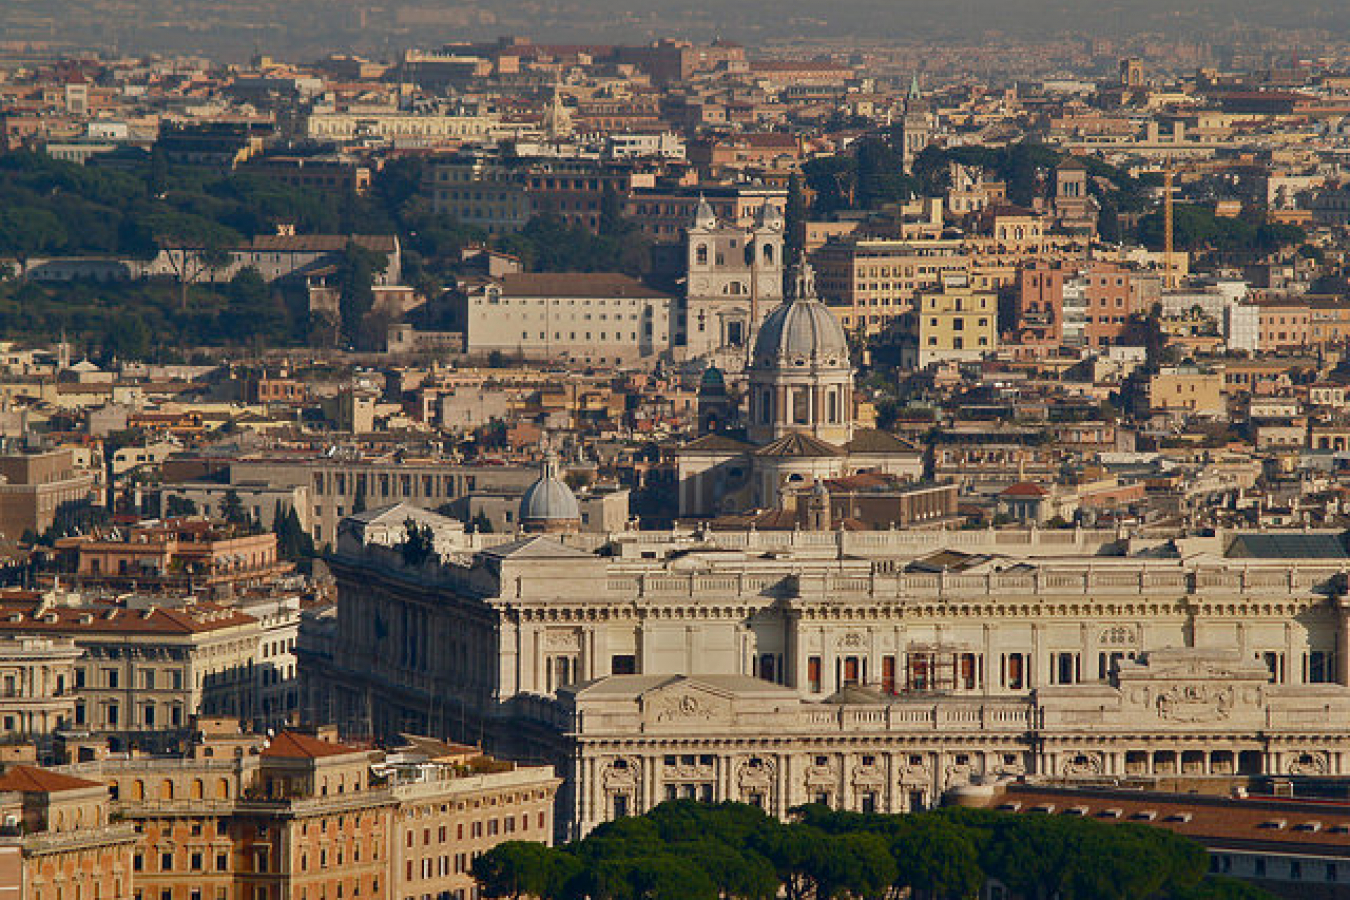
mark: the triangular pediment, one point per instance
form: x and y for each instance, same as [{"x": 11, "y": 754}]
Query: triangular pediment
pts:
[{"x": 683, "y": 701}]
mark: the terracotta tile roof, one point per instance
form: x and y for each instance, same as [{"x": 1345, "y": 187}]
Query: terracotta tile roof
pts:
[
  {"x": 577, "y": 284},
  {"x": 716, "y": 443},
  {"x": 861, "y": 481},
  {"x": 319, "y": 243},
  {"x": 1024, "y": 489},
  {"x": 872, "y": 440},
  {"x": 1287, "y": 824},
  {"x": 797, "y": 444},
  {"x": 293, "y": 745},
  {"x": 197, "y": 619},
  {"x": 32, "y": 780}
]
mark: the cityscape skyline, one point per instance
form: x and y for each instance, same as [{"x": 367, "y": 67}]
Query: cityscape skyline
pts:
[{"x": 582, "y": 452}]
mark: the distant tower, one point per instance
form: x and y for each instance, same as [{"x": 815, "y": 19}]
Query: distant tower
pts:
[
  {"x": 1073, "y": 204},
  {"x": 557, "y": 117},
  {"x": 916, "y": 125},
  {"x": 818, "y": 508},
  {"x": 1132, "y": 73},
  {"x": 715, "y": 410}
]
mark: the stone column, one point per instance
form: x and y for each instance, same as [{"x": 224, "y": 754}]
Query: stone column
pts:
[
  {"x": 1032, "y": 670},
  {"x": 1087, "y": 666},
  {"x": 1293, "y": 663},
  {"x": 1341, "y": 609}
]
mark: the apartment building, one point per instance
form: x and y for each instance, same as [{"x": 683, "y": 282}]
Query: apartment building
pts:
[
  {"x": 329, "y": 174},
  {"x": 60, "y": 833},
  {"x": 297, "y": 816},
  {"x": 1283, "y": 324},
  {"x": 388, "y": 125},
  {"x": 454, "y": 804},
  {"x": 953, "y": 323},
  {"x": 143, "y": 673},
  {"x": 584, "y": 317},
  {"x": 500, "y": 195},
  {"x": 1112, "y": 294},
  {"x": 177, "y": 552},
  {"x": 37, "y": 687},
  {"x": 35, "y": 486},
  {"x": 1039, "y": 304},
  {"x": 338, "y": 487},
  {"x": 1190, "y": 390},
  {"x": 871, "y": 283}
]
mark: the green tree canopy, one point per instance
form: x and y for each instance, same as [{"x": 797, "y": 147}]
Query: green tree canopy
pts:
[{"x": 684, "y": 849}]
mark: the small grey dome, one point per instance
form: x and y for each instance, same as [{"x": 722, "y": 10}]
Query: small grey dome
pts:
[
  {"x": 549, "y": 499},
  {"x": 801, "y": 330},
  {"x": 713, "y": 381}
]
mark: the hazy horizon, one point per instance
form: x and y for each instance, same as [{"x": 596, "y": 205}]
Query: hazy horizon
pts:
[{"x": 307, "y": 28}]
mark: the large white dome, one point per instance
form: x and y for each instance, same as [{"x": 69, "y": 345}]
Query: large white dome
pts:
[{"x": 801, "y": 331}]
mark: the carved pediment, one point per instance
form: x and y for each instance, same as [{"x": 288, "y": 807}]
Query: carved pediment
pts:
[{"x": 684, "y": 703}]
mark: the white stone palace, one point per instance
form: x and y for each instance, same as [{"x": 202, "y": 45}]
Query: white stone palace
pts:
[{"x": 870, "y": 670}]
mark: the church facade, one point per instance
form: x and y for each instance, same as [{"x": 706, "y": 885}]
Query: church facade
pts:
[{"x": 734, "y": 276}]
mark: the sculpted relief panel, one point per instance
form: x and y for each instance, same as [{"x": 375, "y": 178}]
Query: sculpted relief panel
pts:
[
  {"x": 684, "y": 707},
  {"x": 1196, "y": 703}
]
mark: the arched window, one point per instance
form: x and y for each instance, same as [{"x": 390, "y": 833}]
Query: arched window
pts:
[
  {"x": 766, "y": 407},
  {"x": 768, "y": 254}
]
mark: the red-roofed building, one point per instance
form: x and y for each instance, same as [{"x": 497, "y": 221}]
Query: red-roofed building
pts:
[
  {"x": 178, "y": 552},
  {"x": 59, "y": 831},
  {"x": 145, "y": 673},
  {"x": 297, "y": 816}
]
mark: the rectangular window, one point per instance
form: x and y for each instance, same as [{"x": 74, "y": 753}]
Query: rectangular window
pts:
[
  {"x": 966, "y": 671},
  {"x": 813, "y": 674},
  {"x": 1064, "y": 667},
  {"x": 1274, "y": 661},
  {"x": 1319, "y": 667}
]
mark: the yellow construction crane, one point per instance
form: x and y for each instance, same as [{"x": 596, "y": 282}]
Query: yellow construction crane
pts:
[{"x": 1169, "y": 260}]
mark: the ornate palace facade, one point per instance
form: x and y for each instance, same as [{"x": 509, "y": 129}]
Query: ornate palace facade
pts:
[{"x": 872, "y": 670}]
